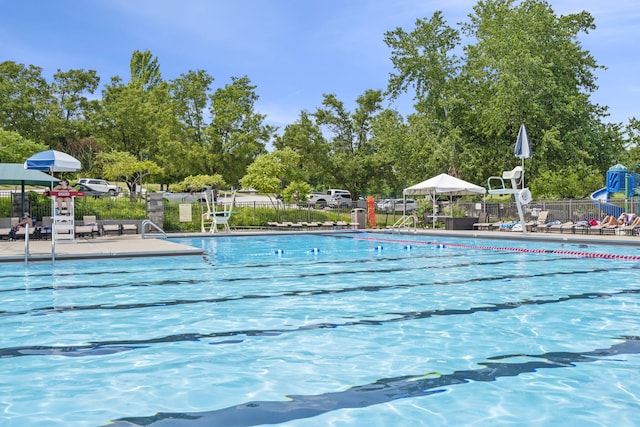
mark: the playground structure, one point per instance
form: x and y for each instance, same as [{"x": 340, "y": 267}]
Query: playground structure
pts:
[{"x": 619, "y": 179}]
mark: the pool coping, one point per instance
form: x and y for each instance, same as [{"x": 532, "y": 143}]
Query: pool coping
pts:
[{"x": 130, "y": 246}]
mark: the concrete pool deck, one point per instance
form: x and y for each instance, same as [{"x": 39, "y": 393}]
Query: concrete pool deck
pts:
[{"x": 128, "y": 246}]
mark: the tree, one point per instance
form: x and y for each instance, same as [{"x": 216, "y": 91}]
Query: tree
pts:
[
  {"x": 424, "y": 61},
  {"x": 188, "y": 152},
  {"x": 25, "y": 100},
  {"x": 200, "y": 182},
  {"x": 70, "y": 120},
  {"x": 275, "y": 174},
  {"x": 528, "y": 67},
  {"x": 522, "y": 64},
  {"x": 236, "y": 135},
  {"x": 123, "y": 166},
  {"x": 305, "y": 138},
  {"x": 353, "y": 161},
  {"x": 145, "y": 71},
  {"x": 16, "y": 149}
]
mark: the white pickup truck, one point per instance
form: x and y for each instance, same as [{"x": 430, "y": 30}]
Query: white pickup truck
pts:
[{"x": 100, "y": 185}]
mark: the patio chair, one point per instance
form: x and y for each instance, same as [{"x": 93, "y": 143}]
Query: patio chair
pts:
[
  {"x": 565, "y": 226},
  {"x": 111, "y": 228},
  {"x": 5, "y": 228},
  {"x": 482, "y": 223},
  {"x": 89, "y": 226},
  {"x": 129, "y": 228},
  {"x": 540, "y": 221}
]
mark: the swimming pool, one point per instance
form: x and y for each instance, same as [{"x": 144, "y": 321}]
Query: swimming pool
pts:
[{"x": 346, "y": 329}]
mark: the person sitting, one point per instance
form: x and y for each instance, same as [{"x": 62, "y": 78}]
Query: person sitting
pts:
[
  {"x": 64, "y": 185},
  {"x": 26, "y": 220}
]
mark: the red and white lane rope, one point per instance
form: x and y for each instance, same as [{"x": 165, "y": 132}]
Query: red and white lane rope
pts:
[{"x": 509, "y": 249}]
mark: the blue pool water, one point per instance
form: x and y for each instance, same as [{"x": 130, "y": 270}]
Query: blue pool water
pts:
[{"x": 352, "y": 329}]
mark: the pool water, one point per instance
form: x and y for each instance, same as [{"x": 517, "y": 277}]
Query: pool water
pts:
[{"x": 344, "y": 329}]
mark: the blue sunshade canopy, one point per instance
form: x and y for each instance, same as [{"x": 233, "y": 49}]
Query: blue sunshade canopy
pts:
[{"x": 53, "y": 161}]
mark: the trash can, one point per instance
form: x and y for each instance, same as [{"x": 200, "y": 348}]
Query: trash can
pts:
[{"x": 359, "y": 216}]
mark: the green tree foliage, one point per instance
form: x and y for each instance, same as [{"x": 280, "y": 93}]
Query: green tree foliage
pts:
[
  {"x": 277, "y": 172},
  {"x": 71, "y": 118},
  {"x": 523, "y": 64},
  {"x": 472, "y": 85},
  {"x": 237, "y": 133},
  {"x": 145, "y": 71},
  {"x": 25, "y": 101},
  {"x": 188, "y": 151},
  {"x": 123, "y": 166},
  {"x": 354, "y": 159},
  {"x": 305, "y": 138},
  {"x": 16, "y": 149},
  {"x": 199, "y": 183}
]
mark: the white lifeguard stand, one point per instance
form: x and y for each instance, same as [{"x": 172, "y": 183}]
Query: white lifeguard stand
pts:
[
  {"x": 63, "y": 223},
  {"x": 522, "y": 196},
  {"x": 212, "y": 218}
]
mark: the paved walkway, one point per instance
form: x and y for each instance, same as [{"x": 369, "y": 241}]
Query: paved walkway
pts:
[
  {"x": 127, "y": 246},
  {"x": 101, "y": 247}
]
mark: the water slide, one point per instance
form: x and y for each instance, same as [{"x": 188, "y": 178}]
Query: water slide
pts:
[{"x": 600, "y": 198}]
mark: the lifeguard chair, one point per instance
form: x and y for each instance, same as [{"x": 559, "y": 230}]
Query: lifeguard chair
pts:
[
  {"x": 63, "y": 223},
  {"x": 522, "y": 196},
  {"x": 212, "y": 218}
]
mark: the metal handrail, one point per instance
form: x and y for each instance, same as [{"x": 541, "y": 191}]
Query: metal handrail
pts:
[
  {"x": 153, "y": 225},
  {"x": 406, "y": 221},
  {"x": 26, "y": 243}
]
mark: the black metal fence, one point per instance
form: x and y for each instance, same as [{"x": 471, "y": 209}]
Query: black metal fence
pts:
[{"x": 259, "y": 214}]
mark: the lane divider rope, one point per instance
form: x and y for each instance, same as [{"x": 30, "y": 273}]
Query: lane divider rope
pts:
[{"x": 509, "y": 249}]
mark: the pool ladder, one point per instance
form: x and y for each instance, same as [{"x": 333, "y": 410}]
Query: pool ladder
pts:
[
  {"x": 406, "y": 222},
  {"x": 159, "y": 231}
]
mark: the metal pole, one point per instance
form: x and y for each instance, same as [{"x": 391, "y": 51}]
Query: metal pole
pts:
[{"x": 26, "y": 244}]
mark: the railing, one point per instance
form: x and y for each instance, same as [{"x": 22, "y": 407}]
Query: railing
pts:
[
  {"x": 146, "y": 222},
  {"x": 26, "y": 243},
  {"x": 256, "y": 214},
  {"x": 406, "y": 222}
]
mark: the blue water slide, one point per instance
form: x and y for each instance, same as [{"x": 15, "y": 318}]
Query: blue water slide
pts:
[{"x": 600, "y": 198}]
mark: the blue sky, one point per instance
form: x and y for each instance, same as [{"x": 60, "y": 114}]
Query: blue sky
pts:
[{"x": 294, "y": 51}]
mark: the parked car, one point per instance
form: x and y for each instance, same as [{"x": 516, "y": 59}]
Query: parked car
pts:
[
  {"x": 320, "y": 199},
  {"x": 340, "y": 200},
  {"x": 397, "y": 205},
  {"x": 89, "y": 192},
  {"x": 100, "y": 185},
  {"x": 317, "y": 198}
]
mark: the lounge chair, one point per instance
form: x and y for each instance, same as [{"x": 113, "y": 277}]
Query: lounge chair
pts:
[
  {"x": 497, "y": 225},
  {"x": 567, "y": 226},
  {"x": 5, "y": 228},
  {"x": 541, "y": 221},
  {"x": 129, "y": 228},
  {"x": 482, "y": 223},
  {"x": 111, "y": 228},
  {"x": 89, "y": 226}
]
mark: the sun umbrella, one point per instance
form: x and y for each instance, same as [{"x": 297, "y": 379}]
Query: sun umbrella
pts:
[
  {"x": 53, "y": 161},
  {"x": 523, "y": 149}
]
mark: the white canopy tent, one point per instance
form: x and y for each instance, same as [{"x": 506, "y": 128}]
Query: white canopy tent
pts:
[{"x": 445, "y": 185}]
